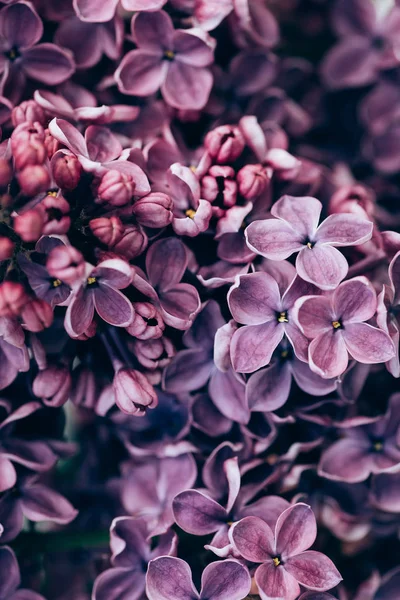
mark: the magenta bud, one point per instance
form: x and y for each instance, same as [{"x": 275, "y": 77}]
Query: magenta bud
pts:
[
  {"x": 50, "y": 143},
  {"x": 66, "y": 263},
  {"x": 37, "y": 315},
  {"x": 28, "y": 111},
  {"x": 6, "y": 172},
  {"x": 153, "y": 354},
  {"x": 252, "y": 180},
  {"x": 219, "y": 186},
  {"x": 27, "y": 145},
  {"x": 154, "y": 210},
  {"x": 33, "y": 179},
  {"x": 108, "y": 231},
  {"x": 225, "y": 143},
  {"x": 6, "y": 248},
  {"x": 66, "y": 170},
  {"x": 133, "y": 392},
  {"x": 147, "y": 323},
  {"x": 116, "y": 188},
  {"x": 133, "y": 242},
  {"x": 29, "y": 224},
  {"x": 12, "y": 298},
  {"x": 52, "y": 385}
]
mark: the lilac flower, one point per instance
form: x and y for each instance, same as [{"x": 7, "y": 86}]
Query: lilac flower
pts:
[
  {"x": 170, "y": 578},
  {"x": 296, "y": 230},
  {"x": 337, "y": 326},
  {"x": 13, "y": 352},
  {"x": 130, "y": 544},
  {"x": 368, "y": 448},
  {"x": 50, "y": 289},
  {"x": 99, "y": 12},
  {"x": 174, "y": 60},
  {"x": 192, "y": 214},
  {"x": 100, "y": 291},
  {"x": 11, "y": 578},
  {"x": 286, "y": 562},
  {"x": 22, "y": 56},
  {"x": 263, "y": 305}
]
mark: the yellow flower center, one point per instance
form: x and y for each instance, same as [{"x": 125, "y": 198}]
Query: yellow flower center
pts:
[
  {"x": 283, "y": 318},
  {"x": 169, "y": 54},
  {"x": 193, "y": 168},
  {"x": 56, "y": 283},
  {"x": 309, "y": 245},
  {"x": 52, "y": 193},
  {"x": 378, "y": 446},
  {"x": 91, "y": 280},
  {"x": 336, "y": 324},
  {"x": 285, "y": 353},
  {"x": 190, "y": 213},
  {"x": 276, "y": 561}
]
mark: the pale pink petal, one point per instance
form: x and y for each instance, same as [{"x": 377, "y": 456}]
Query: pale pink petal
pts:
[
  {"x": 328, "y": 354},
  {"x": 140, "y": 73},
  {"x": 295, "y": 531},
  {"x": 314, "y": 570},
  {"x": 324, "y": 266},
  {"x": 95, "y": 11},
  {"x": 254, "y": 298},
  {"x": 273, "y": 239},
  {"x": 344, "y": 230},
  {"x": 368, "y": 344},
  {"x": 302, "y": 213},
  {"x": 354, "y": 300},
  {"x": 253, "y": 539},
  {"x": 252, "y": 346},
  {"x": 187, "y": 87},
  {"x": 276, "y": 582}
]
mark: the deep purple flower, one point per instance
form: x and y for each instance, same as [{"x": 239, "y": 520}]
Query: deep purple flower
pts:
[
  {"x": 170, "y": 578},
  {"x": 11, "y": 578},
  {"x": 286, "y": 562},
  {"x": 296, "y": 230},
  {"x": 174, "y": 60},
  {"x": 337, "y": 326},
  {"x": 50, "y": 289}
]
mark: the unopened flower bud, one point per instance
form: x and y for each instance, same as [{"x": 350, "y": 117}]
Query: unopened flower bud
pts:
[
  {"x": 133, "y": 242},
  {"x": 116, "y": 188},
  {"x": 66, "y": 170},
  {"x": 37, "y": 315},
  {"x": 219, "y": 186},
  {"x": 52, "y": 385},
  {"x": 56, "y": 214},
  {"x": 133, "y": 392},
  {"x": 27, "y": 145},
  {"x": 29, "y": 224},
  {"x": 108, "y": 231},
  {"x": 6, "y": 248},
  {"x": 33, "y": 179},
  {"x": 66, "y": 263},
  {"x": 153, "y": 354},
  {"x": 12, "y": 298},
  {"x": 6, "y": 172},
  {"x": 225, "y": 143},
  {"x": 28, "y": 111},
  {"x": 154, "y": 210},
  {"x": 252, "y": 180},
  {"x": 50, "y": 143},
  {"x": 355, "y": 199},
  {"x": 147, "y": 323}
]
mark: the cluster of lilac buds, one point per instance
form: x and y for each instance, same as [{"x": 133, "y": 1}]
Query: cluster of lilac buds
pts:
[{"x": 199, "y": 300}]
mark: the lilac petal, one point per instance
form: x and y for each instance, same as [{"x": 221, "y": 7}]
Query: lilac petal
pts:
[
  {"x": 276, "y": 582},
  {"x": 207, "y": 418},
  {"x": 207, "y": 322},
  {"x": 302, "y": 213},
  {"x": 34, "y": 455},
  {"x": 227, "y": 392},
  {"x": 128, "y": 542},
  {"x": 314, "y": 570},
  {"x": 8, "y": 474},
  {"x": 324, "y": 266},
  {"x": 310, "y": 382},
  {"x": 189, "y": 370},
  {"x": 356, "y": 17},
  {"x": 253, "y": 539},
  {"x": 80, "y": 312},
  {"x": 296, "y": 530},
  {"x": 268, "y": 509},
  {"x": 137, "y": 5},
  {"x": 328, "y": 354},
  {"x": 268, "y": 389},
  {"x": 153, "y": 31},
  {"x": 394, "y": 274},
  {"x": 119, "y": 584},
  {"x": 346, "y": 460},
  {"x": 11, "y": 517},
  {"x": 198, "y": 514},
  {"x": 298, "y": 340},
  {"x": 209, "y": 13},
  {"x": 273, "y": 239},
  {"x": 166, "y": 262},
  {"x": 344, "y": 230},
  {"x": 252, "y": 346},
  {"x": 102, "y": 145},
  {"x": 48, "y": 63},
  {"x": 192, "y": 49},
  {"x": 20, "y": 26},
  {"x": 83, "y": 39},
  {"x": 181, "y": 302},
  {"x": 233, "y": 249},
  {"x": 187, "y": 87},
  {"x": 112, "y": 306},
  {"x": 169, "y": 578},
  {"x": 40, "y": 503},
  {"x": 225, "y": 580},
  {"x": 12, "y": 360},
  {"x": 114, "y": 272},
  {"x": 254, "y": 298},
  {"x": 350, "y": 63},
  {"x": 140, "y": 73},
  {"x": 95, "y": 11},
  {"x": 385, "y": 489},
  {"x": 68, "y": 135},
  {"x": 192, "y": 226},
  {"x": 10, "y": 579},
  {"x": 367, "y": 344},
  {"x": 26, "y": 595},
  {"x": 314, "y": 315},
  {"x": 142, "y": 185},
  {"x": 354, "y": 300}
]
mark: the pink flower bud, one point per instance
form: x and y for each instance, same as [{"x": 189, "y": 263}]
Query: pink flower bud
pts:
[
  {"x": 6, "y": 248},
  {"x": 66, "y": 263},
  {"x": 252, "y": 180},
  {"x": 153, "y": 354},
  {"x": 33, "y": 179},
  {"x": 355, "y": 199},
  {"x": 52, "y": 385},
  {"x": 6, "y": 172},
  {"x": 153, "y": 210},
  {"x": 147, "y": 323},
  {"x": 12, "y": 298},
  {"x": 66, "y": 170},
  {"x": 116, "y": 188},
  {"x": 50, "y": 143},
  {"x": 133, "y": 242},
  {"x": 225, "y": 143},
  {"x": 133, "y": 392},
  {"x": 37, "y": 315},
  {"x": 108, "y": 231},
  {"x": 27, "y": 145},
  {"x": 219, "y": 186},
  {"x": 29, "y": 224},
  {"x": 56, "y": 214},
  {"x": 28, "y": 111}
]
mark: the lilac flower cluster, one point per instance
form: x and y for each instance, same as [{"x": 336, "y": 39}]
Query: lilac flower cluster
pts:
[{"x": 199, "y": 300}]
